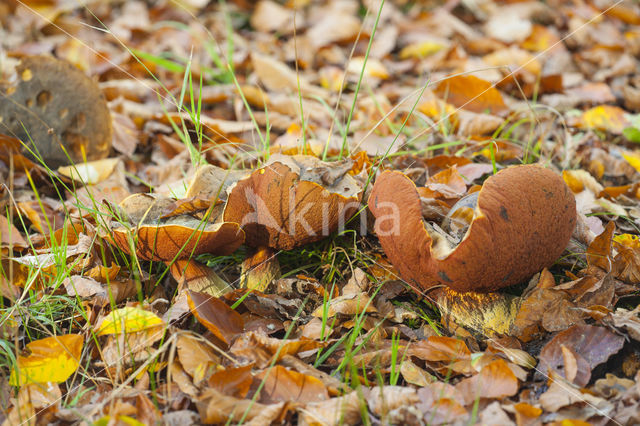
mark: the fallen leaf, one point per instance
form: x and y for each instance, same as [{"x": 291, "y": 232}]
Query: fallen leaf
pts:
[
  {"x": 471, "y": 93},
  {"x": 414, "y": 374},
  {"x": 384, "y": 399},
  {"x": 605, "y": 117},
  {"x": 594, "y": 344},
  {"x": 215, "y": 408},
  {"x": 495, "y": 380},
  {"x": 284, "y": 385},
  {"x": 52, "y": 359},
  {"x": 197, "y": 358},
  {"x": 348, "y": 304},
  {"x": 217, "y": 316},
  {"x": 233, "y": 381},
  {"x": 335, "y": 411},
  {"x": 128, "y": 320}
]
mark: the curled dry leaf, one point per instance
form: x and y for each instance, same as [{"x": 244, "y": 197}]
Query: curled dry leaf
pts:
[
  {"x": 233, "y": 381},
  {"x": 217, "y": 408},
  {"x": 471, "y": 93},
  {"x": 495, "y": 380},
  {"x": 217, "y": 316},
  {"x": 293, "y": 200},
  {"x": 587, "y": 342},
  {"x": 348, "y": 304},
  {"x": 523, "y": 220},
  {"x": 255, "y": 346},
  {"x": 544, "y": 308},
  {"x": 384, "y": 399},
  {"x": 442, "y": 403},
  {"x": 284, "y": 385},
  {"x": 196, "y": 357},
  {"x": 444, "y": 354},
  {"x": 414, "y": 374},
  {"x": 199, "y": 277},
  {"x": 58, "y": 112},
  {"x": 335, "y": 411}
]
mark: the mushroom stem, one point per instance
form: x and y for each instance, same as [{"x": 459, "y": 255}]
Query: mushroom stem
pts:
[{"x": 260, "y": 269}]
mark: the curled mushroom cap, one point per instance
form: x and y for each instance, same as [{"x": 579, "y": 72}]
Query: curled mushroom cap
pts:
[
  {"x": 293, "y": 200},
  {"x": 162, "y": 237},
  {"x": 522, "y": 222}
]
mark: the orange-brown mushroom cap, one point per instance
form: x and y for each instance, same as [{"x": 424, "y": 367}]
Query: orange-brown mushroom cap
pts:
[
  {"x": 178, "y": 237},
  {"x": 523, "y": 221},
  {"x": 293, "y": 200}
]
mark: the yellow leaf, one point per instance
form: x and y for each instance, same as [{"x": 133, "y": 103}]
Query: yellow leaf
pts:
[
  {"x": 420, "y": 50},
  {"x": 127, "y": 420},
  {"x": 133, "y": 319},
  {"x": 605, "y": 117},
  {"x": 373, "y": 67},
  {"x": 90, "y": 172},
  {"x": 627, "y": 240},
  {"x": 633, "y": 158},
  {"x": 439, "y": 111},
  {"x": 52, "y": 359}
]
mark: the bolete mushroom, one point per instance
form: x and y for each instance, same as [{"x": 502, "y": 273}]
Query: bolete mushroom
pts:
[
  {"x": 58, "y": 112},
  {"x": 289, "y": 202},
  {"x": 521, "y": 223},
  {"x": 156, "y": 234},
  {"x": 293, "y": 200}
]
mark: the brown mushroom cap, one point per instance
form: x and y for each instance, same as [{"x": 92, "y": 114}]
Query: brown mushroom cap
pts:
[
  {"x": 177, "y": 237},
  {"x": 523, "y": 221},
  {"x": 60, "y": 110},
  {"x": 293, "y": 200}
]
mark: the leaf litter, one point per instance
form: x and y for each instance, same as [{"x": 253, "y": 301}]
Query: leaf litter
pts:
[{"x": 185, "y": 235}]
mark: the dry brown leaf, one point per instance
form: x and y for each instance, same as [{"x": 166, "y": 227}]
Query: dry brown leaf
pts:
[
  {"x": 254, "y": 346},
  {"x": 196, "y": 357},
  {"x": 284, "y": 385},
  {"x": 594, "y": 344},
  {"x": 495, "y": 380},
  {"x": 334, "y": 411},
  {"x": 270, "y": 16},
  {"x": 348, "y": 304},
  {"x": 215, "y": 407},
  {"x": 471, "y": 93},
  {"x": 233, "y": 381},
  {"x": 415, "y": 375},
  {"x": 217, "y": 316}
]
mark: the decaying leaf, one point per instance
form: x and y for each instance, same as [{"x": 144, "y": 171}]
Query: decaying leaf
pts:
[
  {"x": 334, "y": 411},
  {"x": 282, "y": 384},
  {"x": 495, "y": 380},
  {"x": 593, "y": 344},
  {"x": 217, "y": 316},
  {"x": 472, "y": 93},
  {"x": 215, "y": 407}
]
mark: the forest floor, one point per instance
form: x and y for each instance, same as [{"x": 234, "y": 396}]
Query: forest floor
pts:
[{"x": 185, "y": 234}]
